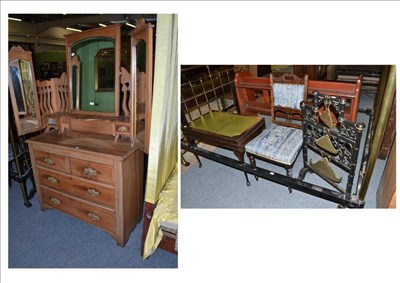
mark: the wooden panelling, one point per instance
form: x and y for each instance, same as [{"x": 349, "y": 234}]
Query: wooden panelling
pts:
[
  {"x": 349, "y": 91},
  {"x": 254, "y": 94},
  {"x": 386, "y": 194},
  {"x": 390, "y": 133}
]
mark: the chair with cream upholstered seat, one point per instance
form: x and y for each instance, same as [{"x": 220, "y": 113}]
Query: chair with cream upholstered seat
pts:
[{"x": 281, "y": 142}]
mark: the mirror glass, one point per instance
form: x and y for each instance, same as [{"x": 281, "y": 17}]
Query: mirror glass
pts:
[
  {"x": 93, "y": 74},
  {"x": 141, "y": 90},
  {"x": 21, "y": 86},
  {"x": 104, "y": 68},
  {"x": 75, "y": 86}
]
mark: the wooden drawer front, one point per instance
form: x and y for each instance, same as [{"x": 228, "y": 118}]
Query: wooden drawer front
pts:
[
  {"x": 92, "y": 171},
  {"x": 51, "y": 160},
  {"x": 89, "y": 213},
  {"x": 92, "y": 192}
]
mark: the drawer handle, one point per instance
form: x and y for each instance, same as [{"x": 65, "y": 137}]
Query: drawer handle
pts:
[
  {"x": 48, "y": 161},
  {"x": 89, "y": 172},
  {"x": 122, "y": 129},
  {"x": 93, "y": 216},
  {"x": 55, "y": 201},
  {"x": 93, "y": 192},
  {"x": 52, "y": 180}
]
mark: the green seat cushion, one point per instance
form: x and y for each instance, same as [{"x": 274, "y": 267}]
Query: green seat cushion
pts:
[{"x": 224, "y": 123}]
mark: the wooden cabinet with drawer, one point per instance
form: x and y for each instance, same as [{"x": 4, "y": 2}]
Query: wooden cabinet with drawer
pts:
[
  {"x": 91, "y": 166},
  {"x": 90, "y": 177}
]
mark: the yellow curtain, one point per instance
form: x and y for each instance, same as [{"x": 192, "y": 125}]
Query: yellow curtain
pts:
[
  {"x": 165, "y": 214},
  {"x": 163, "y": 152}
]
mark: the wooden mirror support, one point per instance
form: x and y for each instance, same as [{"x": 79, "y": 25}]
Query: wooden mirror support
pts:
[
  {"x": 141, "y": 104},
  {"x": 22, "y": 90},
  {"x": 75, "y": 88}
]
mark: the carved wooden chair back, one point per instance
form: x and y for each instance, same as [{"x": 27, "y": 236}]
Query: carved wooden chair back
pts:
[
  {"x": 62, "y": 99},
  {"x": 281, "y": 142},
  {"x": 53, "y": 96},
  {"x": 288, "y": 91},
  {"x": 47, "y": 96}
]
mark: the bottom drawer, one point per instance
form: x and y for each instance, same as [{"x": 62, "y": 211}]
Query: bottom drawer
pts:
[{"x": 87, "y": 212}]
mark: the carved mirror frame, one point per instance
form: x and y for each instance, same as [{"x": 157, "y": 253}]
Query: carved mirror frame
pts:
[
  {"x": 142, "y": 32},
  {"x": 112, "y": 32},
  {"x": 18, "y": 53}
]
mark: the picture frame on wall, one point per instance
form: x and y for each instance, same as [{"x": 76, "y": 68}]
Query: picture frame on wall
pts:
[
  {"x": 45, "y": 70},
  {"x": 54, "y": 69}
]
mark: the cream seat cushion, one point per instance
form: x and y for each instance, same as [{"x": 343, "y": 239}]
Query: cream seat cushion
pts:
[{"x": 277, "y": 143}]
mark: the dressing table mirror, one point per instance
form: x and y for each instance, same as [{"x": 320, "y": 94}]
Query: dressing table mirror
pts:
[
  {"x": 93, "y": 64},
  {"x": 92, "y": 167},
  {"x": 22, "y": 90}
]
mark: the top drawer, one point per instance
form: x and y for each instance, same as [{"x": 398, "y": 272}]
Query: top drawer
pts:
[
  {"x": 92, "y": 170},
  {"x": 51, "y": 160}
]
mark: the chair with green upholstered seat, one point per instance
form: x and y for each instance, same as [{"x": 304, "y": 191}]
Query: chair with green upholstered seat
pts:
[
  {"x": 203, "y": 120},
  {"x": 226, "y": 130}
]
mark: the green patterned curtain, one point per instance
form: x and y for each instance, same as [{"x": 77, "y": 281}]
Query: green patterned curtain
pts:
[{"x": 163, "y": 152}]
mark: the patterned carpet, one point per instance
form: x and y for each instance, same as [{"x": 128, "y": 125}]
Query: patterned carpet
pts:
[{"x": 52, "y": 239}]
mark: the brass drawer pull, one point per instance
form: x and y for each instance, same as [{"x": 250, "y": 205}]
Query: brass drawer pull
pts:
[
  {"x": 52, "y": 180},
  {"x": 89, "y": 172},
  {"x": 93, "y": 216},
  {"x": 55, "y": 201},
  {"x": 122, "y": 129},
  {"x": 48, "y": 161},
  {"x": 93, "y": 192}
]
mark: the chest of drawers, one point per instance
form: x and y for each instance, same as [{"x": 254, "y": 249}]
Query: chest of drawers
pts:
[{"x": 90, "y": 177}]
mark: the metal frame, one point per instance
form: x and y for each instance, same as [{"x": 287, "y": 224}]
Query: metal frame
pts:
[
  {"x": 343, "y": 197},
  {"x": 219, "y": 80},
  {"x": 308, "y": 188},
  {"x": 346, "y": 140},
  {"x": 19, "y": 164},
  {"x": 206, "y": 88}
]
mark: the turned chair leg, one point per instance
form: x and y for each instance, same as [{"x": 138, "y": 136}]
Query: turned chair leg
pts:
[
  {"x": 289, "y": 173},
  {"x": 240, "y": 156},
  {"x": 302, "y": 173},
  {"x": 247, "y": 179},
  {"x": 198, "y": 159},
  {"x": 193, "y": 143},
  {"x": 184, "y": 161},
  {"x": 252, "y": 163}
]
